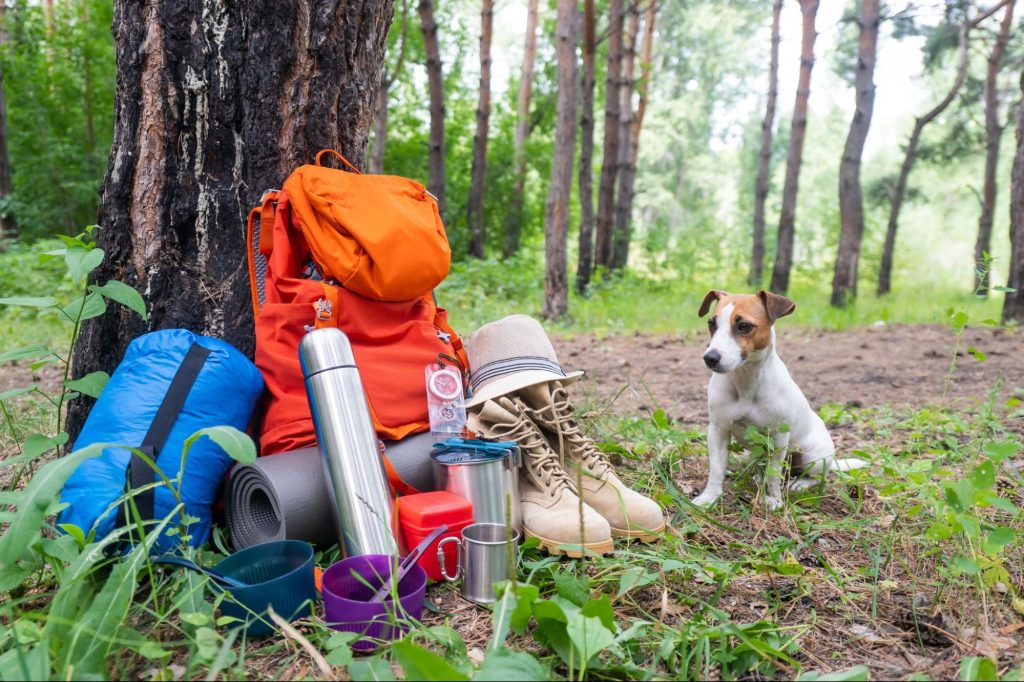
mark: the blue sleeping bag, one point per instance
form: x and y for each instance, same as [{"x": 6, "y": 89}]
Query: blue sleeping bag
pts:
[{"x": 170, "y": 384}]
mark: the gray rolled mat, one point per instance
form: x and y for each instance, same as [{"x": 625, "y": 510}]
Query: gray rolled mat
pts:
[{"x": 287, "y": 496}]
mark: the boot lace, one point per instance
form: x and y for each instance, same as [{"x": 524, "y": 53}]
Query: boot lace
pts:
[
  {"x": 583, "y": 448},
  {"x": 541, "y": 461}
]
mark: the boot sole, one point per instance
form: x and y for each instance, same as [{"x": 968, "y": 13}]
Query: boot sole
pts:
[
  {"x": 558, "y": 548},
  {"x": 639, "y": 534}
]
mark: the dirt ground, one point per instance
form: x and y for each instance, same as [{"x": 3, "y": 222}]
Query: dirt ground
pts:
[{"x": 896, "y": 365}]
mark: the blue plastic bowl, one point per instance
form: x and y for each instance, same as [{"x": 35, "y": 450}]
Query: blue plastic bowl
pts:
[{"x": 278, "y": 574}]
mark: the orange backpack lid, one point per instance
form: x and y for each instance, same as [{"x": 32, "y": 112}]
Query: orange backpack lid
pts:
[{"x": 380, "y": 236}]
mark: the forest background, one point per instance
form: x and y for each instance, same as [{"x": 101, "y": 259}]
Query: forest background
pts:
[{"x": 707, "y": 82}]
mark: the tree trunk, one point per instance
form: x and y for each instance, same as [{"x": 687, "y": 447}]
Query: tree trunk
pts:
[
  {"x": 787, "y": 216},
  {"x": 556, "y": 214},
  {"x": 380, "y": 118},
  {"x": 1013, "y": 306},
  {"x": 898, "y": 192},
  {"x": 478, "y": 174},
  {"x": 586, "y": 172},
  {"x": 514, "y": 216},
  {"x": 380, "y": 133},
  {"x": 8, "y": 224},
  {"x": 212, "y": 108},
  {"x": 620, "y": 221},
  {"x": 765, "y": 156},
  {"x": 435, "y": 85},
  {"x": 993, "y": 136},
  {"x": 624, "y": 211},
  {"x": 851, "y": 203},
  {"x": 609, "y": 164}
]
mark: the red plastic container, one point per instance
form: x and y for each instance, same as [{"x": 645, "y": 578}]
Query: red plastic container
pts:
[{"x": 419, "y": 515}]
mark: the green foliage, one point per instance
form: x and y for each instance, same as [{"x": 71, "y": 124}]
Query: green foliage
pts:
[{"x": 59, "y": 82}]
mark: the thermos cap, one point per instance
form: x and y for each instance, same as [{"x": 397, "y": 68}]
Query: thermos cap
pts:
[{"x": 323, "y": 349}]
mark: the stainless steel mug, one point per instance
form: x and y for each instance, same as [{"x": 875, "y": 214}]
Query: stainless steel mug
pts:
[
  {"x": 362, "y": 499},
  {"x": 487, "y": 554},
  {"x": 491, "y": 483}
]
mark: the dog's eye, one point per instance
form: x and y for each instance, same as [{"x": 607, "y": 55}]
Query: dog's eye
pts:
[
  {"x": 712, "y": 325},
  {"x": 744, "y": 327}
]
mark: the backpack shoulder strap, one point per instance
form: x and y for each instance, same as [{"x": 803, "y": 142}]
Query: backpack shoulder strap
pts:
[
  {"x": 259, "y": 240},
  {"x": 139, "y": 473}
]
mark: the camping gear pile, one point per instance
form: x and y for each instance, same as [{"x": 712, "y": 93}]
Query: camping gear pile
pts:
[{"x": 360, "y": 376}]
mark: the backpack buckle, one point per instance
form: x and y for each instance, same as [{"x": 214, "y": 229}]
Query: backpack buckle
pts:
[{"x": 323, "y": 309}]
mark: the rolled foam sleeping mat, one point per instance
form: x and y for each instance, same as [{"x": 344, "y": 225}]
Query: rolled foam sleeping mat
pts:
[{"x": 288, "y": 497}]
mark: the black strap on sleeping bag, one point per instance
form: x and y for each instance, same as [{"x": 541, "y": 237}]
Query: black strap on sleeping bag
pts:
[{"x": 139, "y": 473}]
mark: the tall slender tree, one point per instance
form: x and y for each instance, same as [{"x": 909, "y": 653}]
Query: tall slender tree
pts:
[
  {"x": 627, "y": 85},
  {"x": 993, "y": 136},
  {"x": 1013, "y": 305},
  {"x": 585, "y": 257},
  {"x": 8, "y": 224},
  {"x": 610, "y": 162},
  {"x": 436, "y": 182},
  {"x": 851, "y": 202},
  {"x": 765, "y": 156},
  {"x": 787, "y": 217},
  {"x": 556, "y": 218},
  {"x": 627, "y": 180},
  {"x": 478, "y": 174},
  {"x": 514, "y": 216},
  {"x": 191, "y": 154},
  {"x": 380, "y": 118},
  {"x": 910, "y": 154}
]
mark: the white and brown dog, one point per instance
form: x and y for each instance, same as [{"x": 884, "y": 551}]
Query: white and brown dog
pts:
[{"x": 752, "y": 387}]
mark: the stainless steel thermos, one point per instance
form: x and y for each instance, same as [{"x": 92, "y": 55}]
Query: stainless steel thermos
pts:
[{"x": 348, "y": 444}]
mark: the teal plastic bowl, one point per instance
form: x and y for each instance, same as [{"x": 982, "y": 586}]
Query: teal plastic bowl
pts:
[{"x": 278, "y": 574}]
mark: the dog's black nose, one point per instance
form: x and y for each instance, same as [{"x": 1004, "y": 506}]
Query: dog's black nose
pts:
[{"x": 712, "y": 358}]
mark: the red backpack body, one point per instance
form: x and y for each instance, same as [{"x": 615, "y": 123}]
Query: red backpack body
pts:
[{"x": 290, "y": 246}]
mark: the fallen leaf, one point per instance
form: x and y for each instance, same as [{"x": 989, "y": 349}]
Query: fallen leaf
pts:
[{"x": 884, "y": 522}]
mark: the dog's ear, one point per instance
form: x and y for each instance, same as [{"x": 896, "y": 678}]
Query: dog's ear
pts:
[
  {"x": 713, "y": 295},
  {"x": 777, "y": 306}
]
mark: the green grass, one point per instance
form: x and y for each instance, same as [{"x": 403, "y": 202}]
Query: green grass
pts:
[{"x": 479, "y": 292}]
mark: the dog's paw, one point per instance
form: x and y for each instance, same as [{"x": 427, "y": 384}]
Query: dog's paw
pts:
[
  {"x": 705, "y": 500},
  {"x": 803, "y": 483},
  {"x": 772, "y": 503}
]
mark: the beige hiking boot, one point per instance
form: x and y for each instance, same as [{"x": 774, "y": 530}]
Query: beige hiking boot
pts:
[
  {"x": 552, "y": 512},
  {"x": 630, "y": 514}
]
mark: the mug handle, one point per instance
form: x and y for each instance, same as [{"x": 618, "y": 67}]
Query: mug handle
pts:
[{"x": 458, "y": 559}]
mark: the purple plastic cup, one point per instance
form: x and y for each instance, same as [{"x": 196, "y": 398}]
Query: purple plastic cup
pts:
[{"x": 347, "y": 605}]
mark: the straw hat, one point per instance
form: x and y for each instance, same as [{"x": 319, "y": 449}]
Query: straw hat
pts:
[{"x": 511, "y": 354}]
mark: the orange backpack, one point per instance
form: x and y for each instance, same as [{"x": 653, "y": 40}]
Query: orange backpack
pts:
[{"x": 361, "y": 253}]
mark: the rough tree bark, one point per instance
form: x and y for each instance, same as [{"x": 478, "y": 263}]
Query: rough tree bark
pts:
[
  {"x": 765, "y": 156},
  {"x": 910, "y": 155},
  {"x": 380, "y": 118},
  {"x": 435, "y": 85},
  {"x": 8, "y": 225},
  {"x": 851, "y": 202},
  {"x": 556, "y": 218},
  {"x": 478, "y": 174},
  {"x": 627, "y": 84},
  {"x": 215, "y": 104},
  {"x": 585, "y": 260},
  {"x": 787, "y": 216},
  {"x": 627, "y": 180},
  {"x": 993, "y": 136},
  {"x": 514, "y": 216},
  {"x": 609, "y": 164},
  {"x": 1013, "y": 305}
]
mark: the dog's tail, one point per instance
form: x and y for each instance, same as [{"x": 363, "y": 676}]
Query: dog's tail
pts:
[{"x": 818, "y": 467}]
